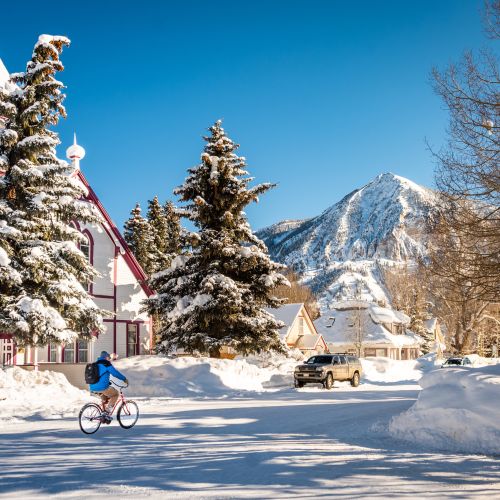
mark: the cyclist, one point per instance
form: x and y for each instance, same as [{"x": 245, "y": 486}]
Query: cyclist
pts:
[{"x": 109, "y": 395}]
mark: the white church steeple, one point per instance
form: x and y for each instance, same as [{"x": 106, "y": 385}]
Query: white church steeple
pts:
[{"x": 75, "y": 153}]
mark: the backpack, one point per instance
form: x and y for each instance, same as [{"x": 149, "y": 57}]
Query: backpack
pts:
[{"x": 92, "y": 373}]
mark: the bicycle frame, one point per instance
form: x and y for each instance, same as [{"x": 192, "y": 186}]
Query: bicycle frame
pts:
[{"x": 120, "y": 401}]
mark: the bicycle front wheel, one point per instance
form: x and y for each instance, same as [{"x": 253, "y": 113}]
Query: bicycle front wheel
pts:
[
  {"x": 128, "y": 414},
  {"x": 90, "y": 418}
]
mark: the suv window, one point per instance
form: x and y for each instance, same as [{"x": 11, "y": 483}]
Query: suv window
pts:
[
  {"x": 351, "y": 359},
  {"x": 343, "y": 360},
  {"x": 336, "y": 360},
  {"x": 319, "y": 359}
]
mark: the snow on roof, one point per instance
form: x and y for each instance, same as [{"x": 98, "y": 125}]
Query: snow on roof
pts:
[
  {"x": 343, "y": 331},
  {"x": 4, "y": 75},
  {"x": 343, "y": 305},
  {"x": 286, "y": 313},
  {"x": 386, "y": 315},
  {"x": 308, "y": 341}
]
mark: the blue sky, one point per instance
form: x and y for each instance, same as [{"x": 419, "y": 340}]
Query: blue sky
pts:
[{"x": 321, "y": 95}]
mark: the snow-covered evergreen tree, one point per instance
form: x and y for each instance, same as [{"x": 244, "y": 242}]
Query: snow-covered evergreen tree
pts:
[
  {"x": 10, "y": 279},
  {"x": 159, "y": 236},
  {"x": 215, "y": 295},
  {"x": 419, "y": 313},
  {"x": 176, "y": 235},
  {"x": 42, "y": 197},
  {"x": 138, "y": 235}
]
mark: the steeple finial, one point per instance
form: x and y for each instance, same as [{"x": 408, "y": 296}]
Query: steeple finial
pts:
[{"x": 75, "y": 153}]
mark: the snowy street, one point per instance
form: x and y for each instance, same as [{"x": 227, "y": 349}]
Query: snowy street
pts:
[{"x": 287, "y": 444}]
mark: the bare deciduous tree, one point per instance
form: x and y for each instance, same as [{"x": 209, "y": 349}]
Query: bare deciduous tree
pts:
[
  {"x": 296, "y": 293},
  {"x": 456, "y": 298},
  {"x": 468, "y": 174},
  {"x": 409, "y": 293}
]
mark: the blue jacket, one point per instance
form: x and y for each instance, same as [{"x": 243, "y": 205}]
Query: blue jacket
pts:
[{"x": 105, "y": 370}]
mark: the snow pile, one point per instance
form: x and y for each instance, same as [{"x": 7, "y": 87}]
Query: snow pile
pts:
[
  {"x": 385, "y": 370},
  {"x": 198, "y": 377},
  {"x": 280, "y": 367},
  {"x": 457, "y": 410},
  {"x": 388, "y": 371},
  {"x": 45, "y": 394}
]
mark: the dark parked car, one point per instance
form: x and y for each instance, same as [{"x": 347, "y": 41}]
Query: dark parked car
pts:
[
  {"x": 457, "y": 361},
  {"x": 325, "y": 368}
]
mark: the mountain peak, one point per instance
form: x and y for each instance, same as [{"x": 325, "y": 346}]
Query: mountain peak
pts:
[{"x": 386, "y": 219}]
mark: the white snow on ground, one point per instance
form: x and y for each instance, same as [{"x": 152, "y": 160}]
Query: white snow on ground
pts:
[
  {"x": 218, "y": 435},
  {"x": 458, "y": 409},
  {"x": 26, "y": 394},
  {"x": 274, "y": 445}
]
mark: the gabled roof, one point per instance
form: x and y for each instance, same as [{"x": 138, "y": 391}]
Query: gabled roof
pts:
[
  {"x": 343, "y": 331},
  {"x": 386, "y": 315},
  {"x": 307, "y": 342},
  {"x": 286, "y": 313},
  {"x": 128, "y": 256}
]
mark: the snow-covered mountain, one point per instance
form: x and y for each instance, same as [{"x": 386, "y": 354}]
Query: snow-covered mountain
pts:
[{"x": 340, "y": 251}]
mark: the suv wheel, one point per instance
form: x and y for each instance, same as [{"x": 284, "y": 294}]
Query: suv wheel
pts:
[
  {"x": 328, "y": 383},
  {"x": 355, "y": 379},
  {"x": 298, "y": 383}
]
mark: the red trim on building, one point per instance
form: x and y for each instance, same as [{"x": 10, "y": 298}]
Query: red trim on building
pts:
[
  {"x": 128, "y": 255},
  {"x": 115, "y": 273}
]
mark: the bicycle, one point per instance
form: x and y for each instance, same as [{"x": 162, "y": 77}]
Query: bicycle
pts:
[{"x": 91, "y": 415}]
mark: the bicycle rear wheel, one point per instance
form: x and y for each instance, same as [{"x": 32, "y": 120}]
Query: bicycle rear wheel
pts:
[
  {"x": 90, "y": 418},
  {"x": 128, "y": 414}
]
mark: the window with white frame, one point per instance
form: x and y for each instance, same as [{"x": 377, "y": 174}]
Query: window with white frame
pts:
[
  {"x": 83, "y": 351},
  {"x": 85, "y": 249},
  {"x": 52, "y": 353},
  {"x": 301, "y": 326},
  {"x": 132, "y": 339},
  {"x": 74, "y": 352},
  {"x": 69, "y": 353}
]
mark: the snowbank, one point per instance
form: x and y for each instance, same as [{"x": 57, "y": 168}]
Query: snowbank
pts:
[
  {"x": 458, "y": 409},
  {"x": 279, "y": 366},
  {"x": 201, "y": 377},
  {"x": 45, "y": 394},
  {"x": 385, "y": 370}
]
